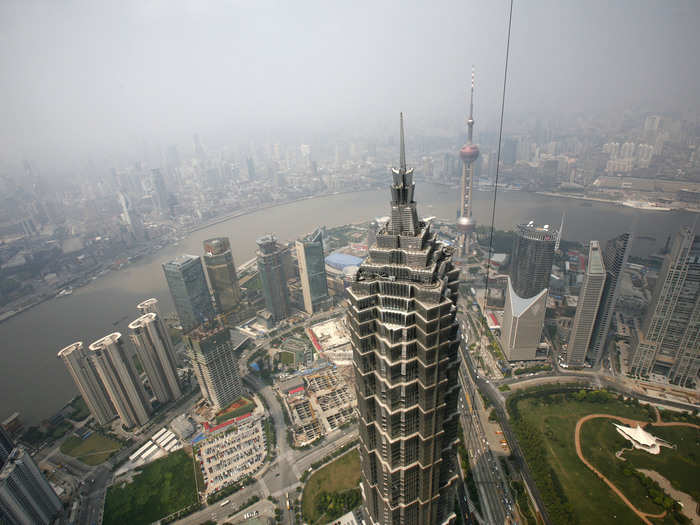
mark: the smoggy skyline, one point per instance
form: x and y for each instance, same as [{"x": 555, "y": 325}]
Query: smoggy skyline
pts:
[{"x": 98, "y": 79}]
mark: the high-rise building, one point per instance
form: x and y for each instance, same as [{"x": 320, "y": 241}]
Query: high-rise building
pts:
[
  {"x": 188, "y": 287},
  {"x": 670, "y": 343},
  {"x": 273, "y": 276},
  {"x": 526, "y": 295},
  {"x": 469, "y": 153},
  {"x": 131, "y": 218},
  {"x": 160, "y": 193},
  {"x": 26, "y": 498},
  {"x": 405, "y": 340},
  {"x": 532, "y": 257},
  {"x": 523, "y": 320},
  {"x": 156, "y": 355},
  {"x": 218, "y": 261},
  {"x": 84, "y": 374},
  {"x": 150, "y": 306},
  {"x": 587, "y": 308},
  {"x": 215, "y": 362},
  {"x": 251, "y": 168},
  {"x": 615, "y": 253},
  {"x": 121, "y": 380},
  {"x": 312, "y": 271}
]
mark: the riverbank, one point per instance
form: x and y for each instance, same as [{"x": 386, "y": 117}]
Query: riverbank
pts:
[
  {"x": 248, "y": 211},
  {"x": 89, "y": 312},
  {"x": 13, "y": 312},
  {"x": 641, "y": 206}
]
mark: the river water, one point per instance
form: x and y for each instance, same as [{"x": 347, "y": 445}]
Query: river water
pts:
[{"x": 35, "y": 382}]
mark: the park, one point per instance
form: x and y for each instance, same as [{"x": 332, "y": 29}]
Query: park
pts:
[{"x": 586, "y": 472}]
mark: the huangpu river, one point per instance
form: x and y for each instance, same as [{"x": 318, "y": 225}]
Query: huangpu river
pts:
[{"x": 35, "y": 382}]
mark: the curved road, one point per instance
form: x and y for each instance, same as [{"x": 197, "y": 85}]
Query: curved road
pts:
[{"x": 644, "y": 516}]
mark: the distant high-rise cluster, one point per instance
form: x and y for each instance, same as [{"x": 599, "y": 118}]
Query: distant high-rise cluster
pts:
[
  {"x": 526, "y": 294},
  {"x": 669, "y": 343},
  {"x": 106, "y": 375},
  {"x": 627, "y": 156},
  {"x": 26, "y": 498},
  {"x": 404, "y": 333}
]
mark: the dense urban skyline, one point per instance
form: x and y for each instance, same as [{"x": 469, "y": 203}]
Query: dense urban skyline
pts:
[{"x": 207, "y": 184}]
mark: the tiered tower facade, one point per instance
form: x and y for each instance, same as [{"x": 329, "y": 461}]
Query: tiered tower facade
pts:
[{"x": 405, "y": 340}]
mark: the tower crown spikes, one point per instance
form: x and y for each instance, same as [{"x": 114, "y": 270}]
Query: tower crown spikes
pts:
[
  {"x": 402, "y": 175},
  {"x": 402, "y": 155},
  {"x": 404, "y": 218}
]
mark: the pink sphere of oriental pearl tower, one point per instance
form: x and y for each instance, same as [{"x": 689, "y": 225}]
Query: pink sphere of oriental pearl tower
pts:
[{"x": 469, "y": 153}]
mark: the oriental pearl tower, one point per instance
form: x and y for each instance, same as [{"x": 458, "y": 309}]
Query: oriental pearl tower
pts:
[{"x": 469, "y": 153}]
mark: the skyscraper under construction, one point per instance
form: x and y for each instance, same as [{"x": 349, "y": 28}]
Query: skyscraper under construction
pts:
[{"x": 405, "y": 339}]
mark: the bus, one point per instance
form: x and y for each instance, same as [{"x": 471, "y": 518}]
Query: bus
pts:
[{"x": 224, "y": 503}]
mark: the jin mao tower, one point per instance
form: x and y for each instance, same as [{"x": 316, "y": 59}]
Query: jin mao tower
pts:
[{"x": 405, "y": 339}]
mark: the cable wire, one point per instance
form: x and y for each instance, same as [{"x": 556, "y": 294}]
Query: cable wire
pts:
[{"x": 498, "y": 160}]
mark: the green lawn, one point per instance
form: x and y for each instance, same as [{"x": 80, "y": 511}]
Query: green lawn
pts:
[
  {"x": 340, "y": 476},
  {"x": 80, "y": 409},
  {"x": 571, "y": 492},
  {"x": 161, "y": 488},
  {"x": 680, "y": 466},
  {"x": 93, "y": 450},
  {"x": 599, "y": 443}
]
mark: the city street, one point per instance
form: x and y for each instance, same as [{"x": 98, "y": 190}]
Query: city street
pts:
[
  {"x": 491, "y": 484},
  {"x": 281, "y": 477}
]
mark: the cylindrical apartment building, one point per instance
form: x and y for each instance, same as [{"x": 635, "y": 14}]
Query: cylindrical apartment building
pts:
[
  {"x": 155, "y": 352},
  {"x": 149, "y": 306},
  {"x": 88, "y": 381},
  {"x": 532, "y": 257},
  {"x": 122, "y": 382}
]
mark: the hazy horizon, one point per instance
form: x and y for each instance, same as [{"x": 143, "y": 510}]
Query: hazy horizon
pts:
[{"x": 97, "y": 80}]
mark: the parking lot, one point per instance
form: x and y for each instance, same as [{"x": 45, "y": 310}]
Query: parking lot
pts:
[{"x": 232, "y": 453}]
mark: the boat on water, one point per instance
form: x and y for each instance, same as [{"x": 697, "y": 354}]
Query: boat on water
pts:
[
  {"x": 644, "y": 205},
  {"x": 65, "y": 292}
]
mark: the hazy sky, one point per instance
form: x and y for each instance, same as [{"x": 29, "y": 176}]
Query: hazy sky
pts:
[{"x": 91, "y": 78}]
